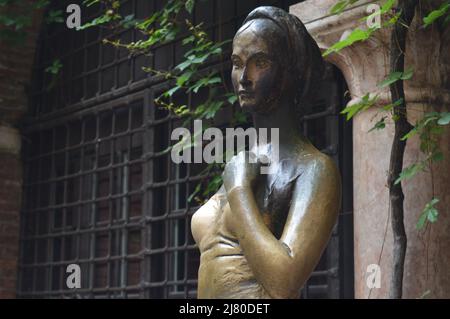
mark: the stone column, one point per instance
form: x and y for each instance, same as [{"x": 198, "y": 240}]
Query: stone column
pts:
[
  {"x": 16, "y": 63},
  {"x": 364, "y": 65}
]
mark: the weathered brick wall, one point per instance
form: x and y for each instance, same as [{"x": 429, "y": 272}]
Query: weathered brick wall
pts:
[
  {"x": 10, "y": 201},
  {"x": 15, "y": 75}
]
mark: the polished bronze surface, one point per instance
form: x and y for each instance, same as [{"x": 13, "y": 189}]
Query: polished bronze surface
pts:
[{"x": 261, "y": 235}]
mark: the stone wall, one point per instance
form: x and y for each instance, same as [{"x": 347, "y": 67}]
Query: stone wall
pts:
[
  {"x": 365, "y": 64},
  {"x": 16, "y": 63}
]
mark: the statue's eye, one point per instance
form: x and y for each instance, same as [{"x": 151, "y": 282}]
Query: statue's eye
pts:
[
  {"x": 237, "y": 63},
  {"x": 262, "y": 63}
]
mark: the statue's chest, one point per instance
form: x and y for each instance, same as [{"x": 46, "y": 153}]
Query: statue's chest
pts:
[{"x": 274, "y": 195}]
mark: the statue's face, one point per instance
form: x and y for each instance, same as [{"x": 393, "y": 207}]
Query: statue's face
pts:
[{"x": 256, "y": 73}]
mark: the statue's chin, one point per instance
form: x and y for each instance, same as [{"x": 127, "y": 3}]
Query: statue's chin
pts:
[
  {"x": 248, "y": 107},
  {"x": 259, "y": 108}
]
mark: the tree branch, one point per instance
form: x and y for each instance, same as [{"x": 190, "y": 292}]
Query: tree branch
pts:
[{"x": 402, "y": 127}]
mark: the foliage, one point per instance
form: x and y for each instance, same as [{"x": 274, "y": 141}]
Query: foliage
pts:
[
  {"x": 361, "y": 34},
  {"x": 341, "y": 5},
  {"x": 188, "y": 77},
  {"x": 161, "y": 27},
  {"x": 204, "y": 189},
  {"x": 366, "y": 102},
  {"x": 429, "y": 214},
  {"x": 430, "y": 126},
  {"x": 396, "y": 76},
  {"x": 443, "y": 10},
  {"x": 164, "y": 25},
  {"x": 17, "y": 15},
  {"x": 55, "y": 67}
]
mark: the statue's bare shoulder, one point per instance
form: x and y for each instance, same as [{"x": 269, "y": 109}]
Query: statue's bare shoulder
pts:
[
  {"x": 322, "y": 168},
  {"x": 315, "y": 203}
]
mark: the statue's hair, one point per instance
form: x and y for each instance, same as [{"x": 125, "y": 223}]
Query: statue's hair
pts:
[{"x": 303, "y": 56}]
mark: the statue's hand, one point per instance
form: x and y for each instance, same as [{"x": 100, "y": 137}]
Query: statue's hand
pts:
[{"x": 242, "y": 170}]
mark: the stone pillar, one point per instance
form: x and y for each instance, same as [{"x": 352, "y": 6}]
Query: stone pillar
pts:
[
  {"x": 364, "y": 65},
  {"x": 16, "y": 63}
]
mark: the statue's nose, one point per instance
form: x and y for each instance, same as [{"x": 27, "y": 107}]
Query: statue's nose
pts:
[{"x": 244, "y": 80}]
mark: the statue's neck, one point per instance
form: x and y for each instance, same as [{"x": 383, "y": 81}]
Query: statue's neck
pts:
[{"x": 281, "y": 117}]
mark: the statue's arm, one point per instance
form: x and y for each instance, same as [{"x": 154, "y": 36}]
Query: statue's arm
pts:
[{"x": 282, "y": 266}]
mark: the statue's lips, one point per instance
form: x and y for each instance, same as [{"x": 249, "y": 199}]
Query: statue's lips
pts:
[{"x": 246, "y": 94}]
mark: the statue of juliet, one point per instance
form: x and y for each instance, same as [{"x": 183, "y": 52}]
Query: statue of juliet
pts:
[{"x": 261, "y": 236}]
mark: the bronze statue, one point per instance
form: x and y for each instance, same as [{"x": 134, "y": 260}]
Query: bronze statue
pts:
[{"x": 260, "y": 236}]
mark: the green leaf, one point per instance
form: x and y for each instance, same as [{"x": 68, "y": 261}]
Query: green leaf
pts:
[
  {"x": 182, "y": 110},
  {"x": 240, "y": 117},
  {"x": 188, "y": 40},
  {"x": 172, "y": 91},
  {"x": 41, "y": 4},
  {"x": 231, "y": 98},
  {"x": 392, "y": 105},
  {"x": 204, "y": 82},
  {"x": 184, "y": 65},
  {"x": 437, "y": 156},
  {"x": 387, "y": 6},
  {"x": 182, "y": 79},
  {"x": 96, "y": 22},
  {"x": 409, "y": 172},
  {"x": 395, "y": 117},
  {"x": 54, "y": 16},
  {"x": 436, "y": 14},
  {"x": 189, "y": 5},
  {"x": 425, "y": 294},
  {"x": 444, "y": 119},
  {"x": 195, "y": 192},
  {"x": 355, "y": 36},
  {"x": 429, "y": 118},
  {"x": 396, "y": 76},
  {"x": 432, "y": 215},
  {"x": 55, "y": 67},
  {"x": 129, "y": 21},
  {"x": 391, "y": 78},
  {"x": 89, "y": 3},
  {"x": 213, "y": 185},
  {"x": 214, "y": 80},
  {"x": 353, "y": 109},
  {"x": 429, "y": 213},
  {"x": 421, "y": 222},
  {"x": 341, "y": 5},
  {"x": 434, "y": 201},
  {"x": 200, "y": 59},
  {"x": 410, "y": 134},
  {"x": 379, "y": 125},
  {"x": 393, "y": 20},
  {"x": 212, "y": 109},
  {"x": 407, "y": 74}
]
